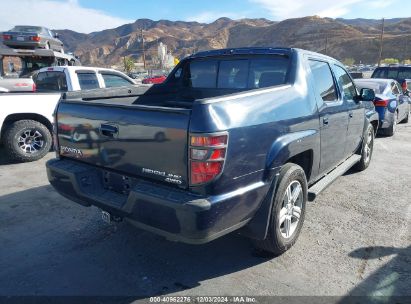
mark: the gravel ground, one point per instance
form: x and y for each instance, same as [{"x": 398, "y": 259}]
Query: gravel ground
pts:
[{"x": 356, "y": 241}]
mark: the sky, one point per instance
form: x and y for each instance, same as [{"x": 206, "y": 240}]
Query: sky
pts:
[{"x": 87, "y": 16}]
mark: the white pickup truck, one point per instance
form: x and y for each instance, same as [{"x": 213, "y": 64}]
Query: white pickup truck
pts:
[{"x": 26, "y": 118}]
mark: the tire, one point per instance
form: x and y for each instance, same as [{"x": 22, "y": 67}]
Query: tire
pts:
[
  {"x": 160, "y": 137},
  {"x": 277, "y": 241},
  {"x": 367, "y": 149},
  {"x": 405, "y": 120},
  {"x": 27, "y": 140},
  {"x": 390, "y": 131}
]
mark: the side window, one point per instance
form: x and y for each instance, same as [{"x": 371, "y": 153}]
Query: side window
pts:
[
  {"x": 345, "y": 83},
  {"x": 51, "y": 81},
  {"x": 392, "y": 73},
  {"x": 88, "y": 81},
  {"x": 404, "y": 73},
  {"x": 394, "y": 88},
  {"x": 113, "y": 81},
  {"x": 380, "y": 73},
  {"x": 323, "y": 79}
]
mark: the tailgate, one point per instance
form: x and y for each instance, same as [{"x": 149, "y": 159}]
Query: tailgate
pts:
[{"x": 138, "y": 141}]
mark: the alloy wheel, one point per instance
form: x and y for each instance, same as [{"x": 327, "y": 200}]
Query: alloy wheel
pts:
[{"x": 291, "y": 209}]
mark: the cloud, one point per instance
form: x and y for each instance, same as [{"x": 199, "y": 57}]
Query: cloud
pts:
[
  {"x": 56, "y": 14},
  {"x": 207, "y": 17},
  {"x": 298, "y": 8}
]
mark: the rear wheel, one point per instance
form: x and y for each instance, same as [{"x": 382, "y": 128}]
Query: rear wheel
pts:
[
  {"x": 367, "y": 149},
  {"x": 405, "y": 120},
  {"x": 390, "y": 131},
  {"x": 27, "y": 140},
  {"x": 287, "y": 212}
]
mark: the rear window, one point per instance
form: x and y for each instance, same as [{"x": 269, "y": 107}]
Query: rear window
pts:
[
  {"x": 378, "y": 87},
  {"x": 241, "y": 73},
  {"x": 88, "y": 81},
  {"x": 51, "y": 81}
]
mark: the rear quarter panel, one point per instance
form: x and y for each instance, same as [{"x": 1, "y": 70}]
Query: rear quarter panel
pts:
[
  {"x": 266, "y": 127},
  {"x": 35, "y": 103}
]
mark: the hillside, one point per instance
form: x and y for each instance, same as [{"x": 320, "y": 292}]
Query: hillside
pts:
[{"x": 340, "y": 38}]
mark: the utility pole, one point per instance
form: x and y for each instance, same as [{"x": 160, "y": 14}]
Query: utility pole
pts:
[
  {"x": 381, "y": 41},
  {"x": 144, "y": 50}
]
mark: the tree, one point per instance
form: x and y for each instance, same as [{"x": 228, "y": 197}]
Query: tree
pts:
[
  {"x": 390, "y": 61},
  {"x": 407, "y": 61},
  {"x": 348, "y": 61},
  {"x": 128, "y": 64}
]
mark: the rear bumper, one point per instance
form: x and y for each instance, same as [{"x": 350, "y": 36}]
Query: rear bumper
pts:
[
  {"x": 175, "y": 214},
  {"x": 25, "y": 44}
]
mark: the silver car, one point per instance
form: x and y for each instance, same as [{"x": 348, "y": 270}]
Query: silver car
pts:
[{"x": 26, "y": 36}]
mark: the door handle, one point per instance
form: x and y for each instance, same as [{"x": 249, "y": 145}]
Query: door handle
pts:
[
  {"x": 350, "y": 114},
  {"x": 325, "y": 120},
  {"x": 108, "y": 130}
]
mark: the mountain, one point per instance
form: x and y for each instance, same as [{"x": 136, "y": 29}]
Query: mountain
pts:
[{"x": 340, "y": 38}]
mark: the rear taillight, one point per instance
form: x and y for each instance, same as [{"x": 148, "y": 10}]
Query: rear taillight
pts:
[
  {"x": 34, "y": 87},
  {"x": 207, "y": 156},
  {"x": 6, "y": 37},
  {"x": 404, "y": 86},
  {"x": 35, "y": 38},
  {"x": 55, "y": 137},
  {"x": 381, "y": 103}
]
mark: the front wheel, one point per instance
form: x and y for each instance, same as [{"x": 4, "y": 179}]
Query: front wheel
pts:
[
  {"x": 287, "y": 212},
  {"x": 27, "y": 140},
  {"x": 367, "y": 149}
]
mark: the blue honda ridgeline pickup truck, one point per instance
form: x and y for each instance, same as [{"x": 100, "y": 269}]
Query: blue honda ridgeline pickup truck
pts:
[{"x": 236, "y": 139}]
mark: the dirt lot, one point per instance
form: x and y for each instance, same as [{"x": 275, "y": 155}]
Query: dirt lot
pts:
[{"x": 356, "y": 241}]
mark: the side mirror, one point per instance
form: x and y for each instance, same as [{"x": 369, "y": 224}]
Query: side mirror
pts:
[{"x": 367, "y": 94}]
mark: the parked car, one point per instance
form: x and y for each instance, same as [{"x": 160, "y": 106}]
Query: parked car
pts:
[
  {"x": 26, "y": 122},
  {"x": 390, "y": 102},
  {"x": 249, "y": 136},
  {"x": 27, "y": 36},
  {"x": 154, "y": 79}
]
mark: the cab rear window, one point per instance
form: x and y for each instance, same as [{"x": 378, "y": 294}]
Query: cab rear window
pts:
[
  {"x": 51, "y": 81},
  {"x": 238, "y": 73}
]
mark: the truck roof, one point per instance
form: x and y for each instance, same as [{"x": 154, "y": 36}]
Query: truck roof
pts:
[
  {"x": 257, "y": 51},
  {"x": 77, "y": 68}
]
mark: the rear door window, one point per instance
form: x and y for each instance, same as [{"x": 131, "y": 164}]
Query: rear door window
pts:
[
  {"x": 113, "y": 80},
  {"x": 51, "y": 81},
  {"x": 324, "y": 81},
  {"x": 87, "y": 81}
]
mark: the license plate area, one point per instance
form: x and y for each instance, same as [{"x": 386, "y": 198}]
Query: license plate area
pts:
[
  {"x": 117, "y": 182},
  {"x": 20, "y": 38}
]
